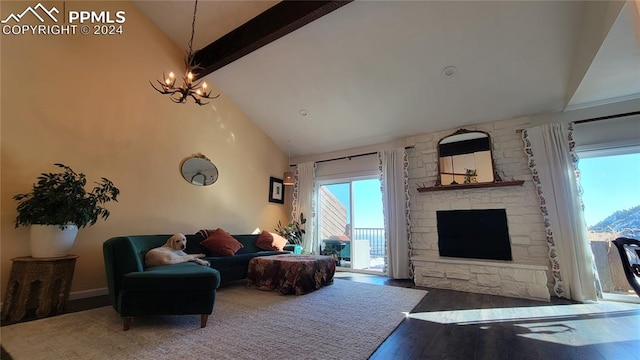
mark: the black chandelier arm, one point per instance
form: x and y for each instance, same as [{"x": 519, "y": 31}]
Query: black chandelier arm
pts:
[
  {"x": 165, "y": 87},
  {"x": 197, "y": 98},
  {"x": 164, "y": 91},
  {"x": 204, "y": 94},
  {"x": 178, "y": 101},
  {"x": 208, "y": 96},
  {"x": 156, "y": 89},
  {"x": 196, "y": 84}
]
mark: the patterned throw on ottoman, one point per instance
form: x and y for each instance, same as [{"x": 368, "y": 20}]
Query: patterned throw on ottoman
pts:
[{"x": 291, "y": 274}]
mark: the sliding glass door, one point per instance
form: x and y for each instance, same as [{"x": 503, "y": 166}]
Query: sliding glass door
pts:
[
  {"x": 351, "y": 225},
  {"x": 611, "y": 207}
]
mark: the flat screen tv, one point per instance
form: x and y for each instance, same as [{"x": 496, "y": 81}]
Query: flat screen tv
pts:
[{"x": 475, "y": 234}]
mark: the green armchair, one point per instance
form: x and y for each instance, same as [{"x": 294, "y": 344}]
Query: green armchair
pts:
[{"x": 180, "y": 289}]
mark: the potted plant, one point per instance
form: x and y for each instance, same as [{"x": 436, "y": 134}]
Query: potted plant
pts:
[
  {"x": 57, "y": 206},
  {"x": 293, "y": 231},
  {"x": 470, "y": 176}
]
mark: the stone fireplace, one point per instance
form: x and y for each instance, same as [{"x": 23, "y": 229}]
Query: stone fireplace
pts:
[{"x": 525, "y": 274}]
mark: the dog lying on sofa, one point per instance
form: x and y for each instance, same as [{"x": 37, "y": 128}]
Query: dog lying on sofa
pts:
[
  {"x": 180, "y": 289},
  {"x": 172, "y": 252}
]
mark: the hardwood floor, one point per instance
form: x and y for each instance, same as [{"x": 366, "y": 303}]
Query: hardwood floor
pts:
[
  {"x": 455, "y": 325},
  {"x": 450, "y": 324}
]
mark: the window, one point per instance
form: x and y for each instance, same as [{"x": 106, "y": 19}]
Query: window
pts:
[{"x": 609, "y": 178}]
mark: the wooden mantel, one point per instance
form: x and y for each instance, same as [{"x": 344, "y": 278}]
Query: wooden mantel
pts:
[{"x": 471, "y": 186}]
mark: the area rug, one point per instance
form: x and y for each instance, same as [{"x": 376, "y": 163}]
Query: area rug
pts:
[{"x": 346, "y": 320}]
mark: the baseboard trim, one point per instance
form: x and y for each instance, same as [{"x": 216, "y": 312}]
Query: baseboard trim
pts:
[
  {"x": 88, "y": 293},
  {"x": 81, "y": 294}
]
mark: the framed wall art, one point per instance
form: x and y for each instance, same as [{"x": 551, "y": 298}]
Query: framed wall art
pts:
[{"x": 276, "y": 190}]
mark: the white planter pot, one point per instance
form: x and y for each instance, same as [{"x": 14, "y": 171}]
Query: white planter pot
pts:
[{"x": 51, "y": 241}]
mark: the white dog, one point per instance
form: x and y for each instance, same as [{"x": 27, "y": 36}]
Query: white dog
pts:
[{"x": 172, "y": 252}]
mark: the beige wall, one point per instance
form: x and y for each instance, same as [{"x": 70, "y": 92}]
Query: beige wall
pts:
[{"x": 86, "y": 101}]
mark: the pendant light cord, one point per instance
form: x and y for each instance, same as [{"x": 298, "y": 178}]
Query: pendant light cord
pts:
[{"x": 193, "y": 28}]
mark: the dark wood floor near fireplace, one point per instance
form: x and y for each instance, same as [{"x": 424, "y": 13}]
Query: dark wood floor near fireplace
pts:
[{"x": 496, "y": 340}]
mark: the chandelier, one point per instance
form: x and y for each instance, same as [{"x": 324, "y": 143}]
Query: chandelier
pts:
[{"x": 196, "y": 90}]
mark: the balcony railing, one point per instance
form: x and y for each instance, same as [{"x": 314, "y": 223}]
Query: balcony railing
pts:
[
  {"x": 353, "y": 256},
  {"x": 376, "y": 240}
]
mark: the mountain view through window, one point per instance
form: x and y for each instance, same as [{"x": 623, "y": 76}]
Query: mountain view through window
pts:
[{"x": 611, "y": 199}]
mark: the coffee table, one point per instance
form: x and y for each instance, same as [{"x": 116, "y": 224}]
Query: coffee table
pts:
[{"x": 290, "y": 273}]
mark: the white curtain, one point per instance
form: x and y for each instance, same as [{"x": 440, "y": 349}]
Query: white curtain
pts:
[
  {"x": 303, "y": 201},
  {"x": 553, "y": 165},
  {"x": 394, "y": 179}
]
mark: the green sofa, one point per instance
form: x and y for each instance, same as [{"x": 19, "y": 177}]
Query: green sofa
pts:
[{"x": 179, "y": 289}]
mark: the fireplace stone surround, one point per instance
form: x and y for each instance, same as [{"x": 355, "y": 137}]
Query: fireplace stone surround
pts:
[
  {"x": 526, "y": 276},
  {"x": 483, "y": 276}
]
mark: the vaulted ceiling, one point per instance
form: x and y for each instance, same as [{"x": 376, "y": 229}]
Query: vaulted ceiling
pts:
[{"x": 374, "y": 71}]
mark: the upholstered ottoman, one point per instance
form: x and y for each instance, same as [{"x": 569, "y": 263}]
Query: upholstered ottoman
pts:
[{"x": 290, "y": 273}]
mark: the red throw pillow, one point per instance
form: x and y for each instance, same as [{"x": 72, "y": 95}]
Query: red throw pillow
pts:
[
  {"x": 221, "y": 243},
  {"x": 271, "y": 241},
  {"x": 265, "y": 241}
]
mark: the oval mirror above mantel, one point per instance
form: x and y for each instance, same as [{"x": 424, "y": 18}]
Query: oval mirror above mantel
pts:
[{"x": 199, "y": 170}]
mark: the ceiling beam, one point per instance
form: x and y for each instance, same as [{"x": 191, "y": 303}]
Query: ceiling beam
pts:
[
  {"x": 598, "y": 19},
  {"x": 274, "y": 23}
]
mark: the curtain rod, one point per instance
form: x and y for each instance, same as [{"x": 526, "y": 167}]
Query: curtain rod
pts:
[
  {"x": 351, "y": 156},
  {"x": 608, "y": 117}
]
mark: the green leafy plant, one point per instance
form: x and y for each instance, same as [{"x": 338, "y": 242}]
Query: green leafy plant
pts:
[
  {"x": 61, "y": 199},
  {"x": 293, "y": 231},
  {"x": 470, "y": 176}
]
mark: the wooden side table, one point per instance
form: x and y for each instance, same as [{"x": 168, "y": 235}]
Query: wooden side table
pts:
[{"x": 40, "y": 283}]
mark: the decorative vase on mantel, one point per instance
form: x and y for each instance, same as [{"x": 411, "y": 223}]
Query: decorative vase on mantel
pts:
[{"x": 47, "y": 241}]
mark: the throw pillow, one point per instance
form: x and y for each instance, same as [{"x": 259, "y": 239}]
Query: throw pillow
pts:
[
  {"x": 221, "y": 243},
  {"x": 265, "y": 241},
  {"x": 278, "y": 241},
  {"x": 270, "y": 241}
]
